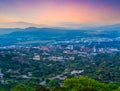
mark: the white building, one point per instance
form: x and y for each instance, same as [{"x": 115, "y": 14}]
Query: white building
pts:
[
  {"x": 77, "y": 72},
  {"x": 37, "y": 58}
]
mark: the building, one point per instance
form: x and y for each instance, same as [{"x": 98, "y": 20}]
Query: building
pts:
[{"x": 37, "y": 58}]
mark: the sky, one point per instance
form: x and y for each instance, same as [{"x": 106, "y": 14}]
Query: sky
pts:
[{"x": 53, "y": 12}]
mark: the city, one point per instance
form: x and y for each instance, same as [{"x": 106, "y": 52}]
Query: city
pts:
[
  {"x": 60, "y": 60},
  {"x": 59, "y": 45}
]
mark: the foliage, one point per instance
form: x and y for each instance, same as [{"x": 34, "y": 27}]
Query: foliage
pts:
[
  {"x": 118, "y": 89},
  {"x": 41, "y": 88},
  {"x": 57, "y": 88},
  {"x": 21, "y": 87},
  {"x": 53, "y": 83},
  {"x": 84, "y": 84}
]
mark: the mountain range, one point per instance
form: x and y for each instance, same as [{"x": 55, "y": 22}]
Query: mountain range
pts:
[{"x": 10, "y": 27}]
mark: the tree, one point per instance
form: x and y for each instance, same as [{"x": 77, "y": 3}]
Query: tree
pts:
[
  {"x": 84, "y": 84},
  {"x": 118, "y": 89},
  {"x": 21, "y": 87},
  {"x": 41, "y": 88},
  {"x": 53, "y": 83},
  {"x": 58, "y": 88}
]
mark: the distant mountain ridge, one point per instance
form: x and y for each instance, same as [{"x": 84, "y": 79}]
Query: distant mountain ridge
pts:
[
  {"x": 29, "y": 26},
  {"x": 17, "y": 35},
  {"x": 18, "y": 25}
]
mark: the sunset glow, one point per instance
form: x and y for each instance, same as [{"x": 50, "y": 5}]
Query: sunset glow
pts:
[{"x": 51, "y": 12}]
